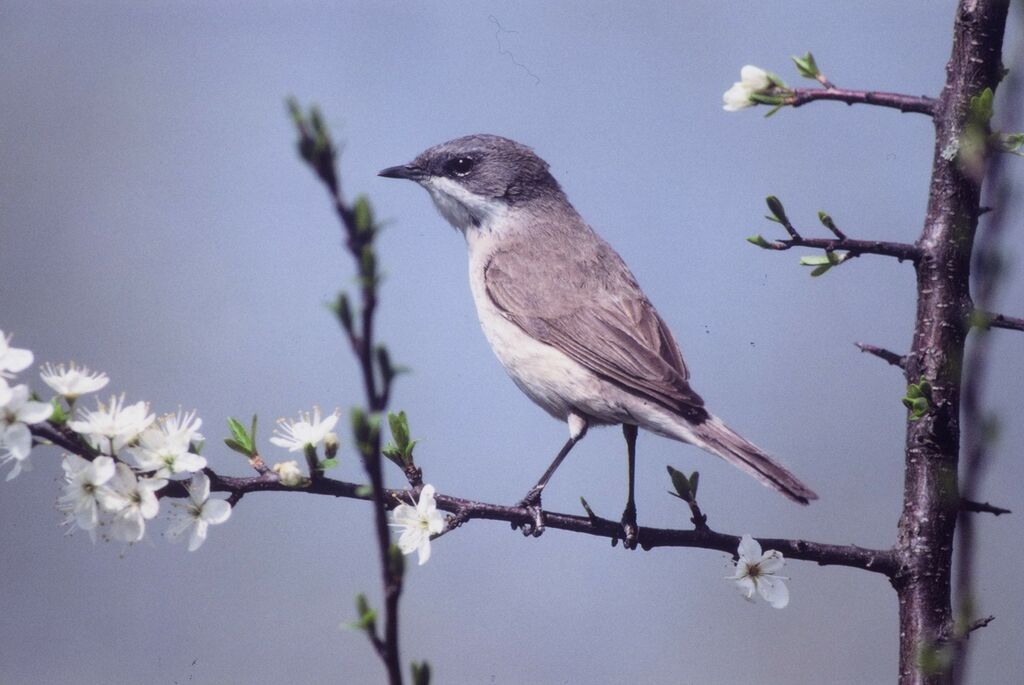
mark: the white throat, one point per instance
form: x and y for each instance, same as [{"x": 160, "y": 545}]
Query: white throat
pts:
[{"x": 462, "y": 209}]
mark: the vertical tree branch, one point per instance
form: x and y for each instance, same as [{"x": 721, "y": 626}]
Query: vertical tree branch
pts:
[
  {"x": 317, "y": 148},
  {"x": 930, "y": 497},
  {"x": 986, "y": 281}
]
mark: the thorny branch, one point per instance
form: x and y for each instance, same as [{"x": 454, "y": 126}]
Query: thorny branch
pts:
[{"x": 465, "y": 510}]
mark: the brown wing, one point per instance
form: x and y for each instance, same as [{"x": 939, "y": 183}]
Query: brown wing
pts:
[{"x": 592, "y": 310}]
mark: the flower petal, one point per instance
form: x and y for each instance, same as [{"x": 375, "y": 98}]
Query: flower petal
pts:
[
  {"x": 199, "y": 489},
  {"x": 34, "y": 412},
  {"x": 746, "y": 585},
  {"x": 423, "y": 551},
  {"x": 198, "y": 536},
  {"x": 15, "y": 359},
  {"x": 215, "y": 511},
  {"x": 774, "y": 591},
  {"x": 771, "y": 561},
  {"x": 749, "y": 549},
  {"x": 16, "y": 440}
]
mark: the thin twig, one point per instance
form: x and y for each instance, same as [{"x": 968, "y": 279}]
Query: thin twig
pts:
[
  {"x": 905, "y": 103},
  {"x": 980, "y": 623},
  {"x": 982, "y": 508},
  {"x": 1011, "y": 323},
  {"x": 901, "y": 251},
  {"x": 882, "y": 353}
]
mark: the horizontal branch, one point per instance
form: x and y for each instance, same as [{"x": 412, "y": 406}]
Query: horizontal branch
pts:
[
  {"x": 463, "y": 510},
  {"x": 982, "y": 508},
  {"x": 904, "y": 103},
  {"x": 884, "y": 354},
  {"x": 901, "y": 251},
  {"x": 1011, "y": 323},
  {"x": 878, "y": 561}
]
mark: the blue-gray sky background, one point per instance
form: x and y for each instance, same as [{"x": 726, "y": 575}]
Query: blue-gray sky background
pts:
[{"x": 156, "y": 223}]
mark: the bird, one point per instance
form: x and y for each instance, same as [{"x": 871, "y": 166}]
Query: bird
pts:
[{"x": 565, "y": 316}]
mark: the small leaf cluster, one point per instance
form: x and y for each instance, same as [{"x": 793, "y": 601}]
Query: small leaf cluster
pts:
[
  {"x": 242, "y": 440},
  {"x": 686, "y": 486},
  {"x": 918, "y": 399},
  {"x": 315, "y": 145},
  {"x": 400, "y": 449},
  {"x": 822, "y": 263}
]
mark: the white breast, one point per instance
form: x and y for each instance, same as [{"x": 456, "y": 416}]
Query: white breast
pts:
[{"x": 547, "y": 376}]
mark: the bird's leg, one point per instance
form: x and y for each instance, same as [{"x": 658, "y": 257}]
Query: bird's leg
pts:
[
  {"x": 629, "y": 529},
  {"x": 577, "y": 429}
]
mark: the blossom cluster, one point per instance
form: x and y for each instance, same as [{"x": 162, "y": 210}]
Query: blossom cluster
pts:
[
  {"x": 753, "y": 80},
  {"x": 133, "y": 453}
]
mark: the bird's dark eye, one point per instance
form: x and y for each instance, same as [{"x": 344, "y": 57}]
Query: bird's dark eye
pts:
[{"x": 459, "y": 166}]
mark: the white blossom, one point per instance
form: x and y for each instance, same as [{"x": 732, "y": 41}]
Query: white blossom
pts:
[
  {"x": 12, "y": 359},
  {"x": 756, "y": 572},
  {"x": 295, "y": 435},
  {"x": 133, "y": 502},
  {"x": 74, "y": 381},
  {"x": 16, "y": 415},
  {"x": 289, "y": 473},
  {"x": 752, "y": 80},
  {"x": 418, "y": 523},
  {"x": 85, "y": 489},
  {"x": 114, "y": 425},
  {"x": 167, "y": 446},
  {"x": 200, "y": 512}
]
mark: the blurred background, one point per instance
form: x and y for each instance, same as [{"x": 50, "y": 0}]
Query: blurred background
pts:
[{"x": 157, "y": 224}]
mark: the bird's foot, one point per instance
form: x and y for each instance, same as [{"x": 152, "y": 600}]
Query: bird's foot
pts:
[
  {"x": 531, "y": 503},
  {"x": 629, "y": 527}
]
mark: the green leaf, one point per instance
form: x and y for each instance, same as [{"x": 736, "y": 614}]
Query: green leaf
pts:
[
  {"x": 399, "y": 424},
  {"x": 363, "y": 214},
  {"x": 918, "y": 399},
  {"x": 364, "y": 491},
  {"x": 392, "y": 453},
  {"x": 58, "y": 416},
  {"x": 241, "y": 440},
  {"x": 694, "y": 482},
  {"x": 807, "y": 67},
  {"x": 759, "y": 240},
  {"x": 826, "y": 221},
  {"x": 343, "y": 310},
  {"x": 681, "y": 483},
  {"x": 420, "y": 673},
  {"x": 368, "y": 266},
  {"x": 815, "y": 260},
  {"x": 367, "y": 615},
  {"x": 328, "y": 464},
  {"x": 981, "y": 107},
  {"x": 387, "y": 371},
  {"x": 820, "y": 270},
  {"x": 777, "y": 210},
  {"x": 236, "y": 446}
]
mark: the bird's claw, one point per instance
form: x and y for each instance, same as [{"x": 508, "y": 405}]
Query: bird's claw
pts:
[
  {"x": 534, "y": 527},
  {"x": 629, "y": 528}
]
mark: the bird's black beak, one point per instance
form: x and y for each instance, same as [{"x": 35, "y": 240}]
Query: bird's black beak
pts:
[{"x": 406, "y": 171}]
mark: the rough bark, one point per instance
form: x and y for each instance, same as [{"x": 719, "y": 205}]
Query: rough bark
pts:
[{"x": 930, "y": 499}]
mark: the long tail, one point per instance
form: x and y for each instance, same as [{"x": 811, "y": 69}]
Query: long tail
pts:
[{"x": 715, "y": 437}]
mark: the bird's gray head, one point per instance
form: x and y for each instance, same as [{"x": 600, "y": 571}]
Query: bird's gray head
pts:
[{"x": 476, "y": 180}]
